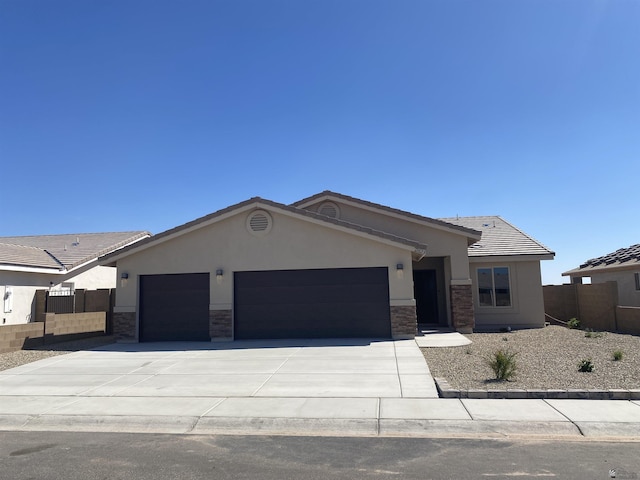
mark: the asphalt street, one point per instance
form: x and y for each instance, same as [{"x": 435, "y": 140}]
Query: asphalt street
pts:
[{"x": 91, "y": 456}]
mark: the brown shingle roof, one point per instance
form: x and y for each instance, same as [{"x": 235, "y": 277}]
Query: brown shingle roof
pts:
[
  {"x": 499, "y": 238},
  {"x": 62, "y": 251}
]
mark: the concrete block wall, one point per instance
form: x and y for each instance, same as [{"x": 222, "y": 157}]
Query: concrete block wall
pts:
[
  {"x": 54, "y": 328},
  {"x": 14, "y": 337},
  {"x": 595, "y": 305},
  {"x": 628, "y": 319},
  {"x": 75, "y": 323}
]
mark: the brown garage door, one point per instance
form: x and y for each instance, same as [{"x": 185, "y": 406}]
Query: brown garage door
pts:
[
  {"x": 174, "y": 307},
  {"x": 325, "y": 303}
]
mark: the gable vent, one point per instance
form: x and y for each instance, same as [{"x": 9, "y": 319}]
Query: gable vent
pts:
[
  {"x": 259, "y": 222},
  {"x": 329, "y": 209}
]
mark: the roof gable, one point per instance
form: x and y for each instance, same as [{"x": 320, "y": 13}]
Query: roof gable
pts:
[
  {"x": 500, "y": 238},
  {"x": 269, "y": 205},
  {"x": 328, "y": 195}
]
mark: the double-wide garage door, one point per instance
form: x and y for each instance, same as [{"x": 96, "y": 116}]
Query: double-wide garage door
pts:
[{"x": 324, "y": 303}]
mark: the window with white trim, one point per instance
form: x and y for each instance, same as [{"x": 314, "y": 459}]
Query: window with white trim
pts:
[{"x": 494, "y": 287}]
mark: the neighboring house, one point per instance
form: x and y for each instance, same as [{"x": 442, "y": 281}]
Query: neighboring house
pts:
[
  {"x": 60, "y": 263},
  {"x": 621, "y": 266},
  {"x": 327, "y": 266}
]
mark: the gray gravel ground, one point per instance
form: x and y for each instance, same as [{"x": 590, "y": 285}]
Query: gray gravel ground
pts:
[
  {"x": 15, "y": 359},
  {"x": 547, "y": 358}
]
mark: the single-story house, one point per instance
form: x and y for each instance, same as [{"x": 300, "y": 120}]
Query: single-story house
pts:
[
  {"x": 621, "y": 266},
  {"x": 329, "y": 265},
  {"x": 59, "y": 263}
]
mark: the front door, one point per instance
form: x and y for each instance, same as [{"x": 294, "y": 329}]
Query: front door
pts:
[{"x": 425, "y": 290}]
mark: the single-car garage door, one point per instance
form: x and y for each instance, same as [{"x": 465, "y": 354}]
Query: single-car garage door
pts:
[
  {"x": 174, "y": 307},
  {"x": 325, "y": 303}
]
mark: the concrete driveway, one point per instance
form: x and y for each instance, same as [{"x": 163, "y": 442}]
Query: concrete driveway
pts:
[{"x": 289, "y": 368}]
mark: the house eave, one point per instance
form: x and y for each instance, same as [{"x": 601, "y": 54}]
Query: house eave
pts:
[
  {"x": 472, "y": 235},
  {"x": 510, "y": 258},
  {"x": 259, "y": 203}
]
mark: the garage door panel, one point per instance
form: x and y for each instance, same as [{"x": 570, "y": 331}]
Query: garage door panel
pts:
[
  {"x": 313, "y": 293},
  {"x": 312, "y": 303},
  {"x": 174, "y": 307}
]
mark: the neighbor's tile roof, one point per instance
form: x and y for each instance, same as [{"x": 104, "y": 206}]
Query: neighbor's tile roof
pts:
[
  {"x": 499, "y": 238},
  {"x": 62, "y": 251},
  {"x": 624, "y": 257},
  {"x": 19, "y": 255}
]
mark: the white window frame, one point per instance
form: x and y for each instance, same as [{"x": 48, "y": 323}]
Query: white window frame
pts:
[{"x": 493, "y": 287}]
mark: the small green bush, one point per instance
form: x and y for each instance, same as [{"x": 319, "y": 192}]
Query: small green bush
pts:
[
  {"x": 573, "y": 323},
  {"x": 592, "y": 334},
  {"x": 503, "y": 364},
  {"x": 586, "y": 366},
  {"x": 617, "y": 355}
]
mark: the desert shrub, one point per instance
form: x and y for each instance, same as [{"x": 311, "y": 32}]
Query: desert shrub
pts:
[
  {"x": 592, "y": 334},
  {"x": 503, "y": 364},
  {"x": 617, "y": 355},
  {"x": 586, "y": 366},
  {"x": 573, "y": 323}
]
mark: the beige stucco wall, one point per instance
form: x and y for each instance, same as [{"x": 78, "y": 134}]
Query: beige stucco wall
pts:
[
  {"x": 628, "y": 296},
  {"x": 527, "y": 310},
  {"x": 292, "y": 243},
  {"x": 25, "y": 284},
  {"x": 439, "y": 243}
]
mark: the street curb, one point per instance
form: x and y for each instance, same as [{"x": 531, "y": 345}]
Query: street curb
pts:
[{"x": 446, "y": 391}]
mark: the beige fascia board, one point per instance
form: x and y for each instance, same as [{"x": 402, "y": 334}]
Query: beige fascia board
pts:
[
  {"x": 345, "y": 229},
  {"x": 509, "y": 258},
  {"x": 390, "y": 214},
  {"x": 23, "y": 269}
]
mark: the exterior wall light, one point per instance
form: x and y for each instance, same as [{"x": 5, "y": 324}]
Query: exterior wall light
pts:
[
  {"x": 219, "y": 274},
  {"x": 124, "y": 276},
  {"x": 400, "y": 271}
]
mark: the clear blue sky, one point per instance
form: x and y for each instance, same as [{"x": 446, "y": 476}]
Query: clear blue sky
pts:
[{"x": 129, "y": 115}]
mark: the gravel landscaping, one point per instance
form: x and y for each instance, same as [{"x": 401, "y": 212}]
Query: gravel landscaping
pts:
[
  {"x": 547, "y": 358},
  {"x": 15, "y": 359}
]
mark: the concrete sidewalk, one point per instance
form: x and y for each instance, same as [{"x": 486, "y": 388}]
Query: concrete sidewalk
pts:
[
  {"x": 363, "y": 388},
  {"x": 596, "y": 419}
]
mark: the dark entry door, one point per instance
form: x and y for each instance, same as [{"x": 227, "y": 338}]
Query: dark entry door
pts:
[
  {"x": 425, "y": 288},
  {"x": 174, "y": 307},
  {"x": 323, "y": 303}
]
